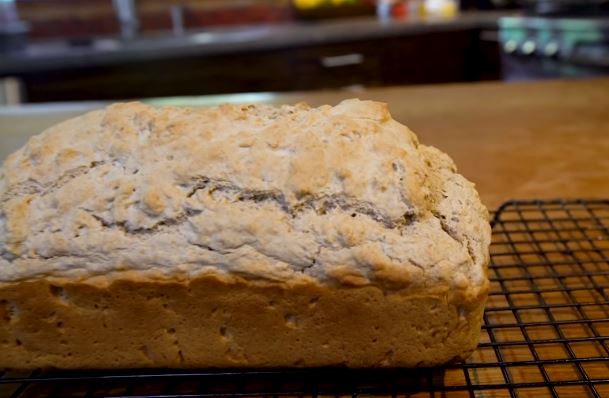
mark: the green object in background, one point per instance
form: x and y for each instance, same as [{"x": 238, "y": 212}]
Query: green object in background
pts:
[{"x": 568, "y": 33}]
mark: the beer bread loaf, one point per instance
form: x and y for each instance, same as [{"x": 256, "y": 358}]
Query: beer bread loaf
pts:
[{"x": 238, "y": 236}]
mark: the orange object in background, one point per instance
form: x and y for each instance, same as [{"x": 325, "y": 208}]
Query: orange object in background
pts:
[
  {"x": 309, "y": 4},
  {"x": 400, "y": 10},
  {"x": 441, "y": 8},
  {"x": 321, "y": 9}
]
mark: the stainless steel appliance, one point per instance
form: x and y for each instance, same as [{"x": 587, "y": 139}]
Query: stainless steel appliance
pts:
[
  {"x": 540, "y": 46},
  {"x": 566, "y": 7}
]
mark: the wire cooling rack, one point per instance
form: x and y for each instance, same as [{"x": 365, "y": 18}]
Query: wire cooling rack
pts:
[{"x": 545, "y": 332}]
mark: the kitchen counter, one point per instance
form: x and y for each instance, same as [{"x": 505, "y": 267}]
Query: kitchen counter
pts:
[
  {"x": 53, "y": 55},
  {"x": 525, "y": 140}
]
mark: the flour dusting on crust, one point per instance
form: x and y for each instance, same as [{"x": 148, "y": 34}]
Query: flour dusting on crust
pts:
[{"x": 340, "y": 195}]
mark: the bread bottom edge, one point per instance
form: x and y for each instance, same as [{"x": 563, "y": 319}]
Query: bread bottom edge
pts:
[{"x": 218, "y": 323}]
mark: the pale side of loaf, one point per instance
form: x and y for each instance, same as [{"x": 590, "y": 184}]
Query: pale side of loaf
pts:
[{"x": 238, "y": 236}]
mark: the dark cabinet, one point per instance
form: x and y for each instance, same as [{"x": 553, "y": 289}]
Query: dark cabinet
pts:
[{"x": 434, "y": 57}]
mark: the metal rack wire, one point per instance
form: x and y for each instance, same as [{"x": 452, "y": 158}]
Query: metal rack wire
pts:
[{"x": 545, "y": 333}]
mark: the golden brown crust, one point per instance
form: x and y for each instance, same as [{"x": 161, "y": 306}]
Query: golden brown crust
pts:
[{"x": 223, "y": 321}]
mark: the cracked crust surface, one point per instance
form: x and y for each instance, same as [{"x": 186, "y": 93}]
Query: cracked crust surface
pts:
[{"x": 337, "y": 197}]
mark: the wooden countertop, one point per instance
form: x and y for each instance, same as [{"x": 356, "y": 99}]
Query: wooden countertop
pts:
[
  {"x": 525, "y": 140},
  {"x": 515, "y": 141}
]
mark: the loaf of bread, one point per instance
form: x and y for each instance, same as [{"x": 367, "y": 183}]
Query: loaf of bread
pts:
[{"x": 238, "y": 236}]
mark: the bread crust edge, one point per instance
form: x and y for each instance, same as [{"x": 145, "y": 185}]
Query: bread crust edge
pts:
[{"x": 224, "y": 321}]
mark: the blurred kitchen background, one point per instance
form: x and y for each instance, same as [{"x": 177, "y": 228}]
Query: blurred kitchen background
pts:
[{"x": 77, "y": 50}]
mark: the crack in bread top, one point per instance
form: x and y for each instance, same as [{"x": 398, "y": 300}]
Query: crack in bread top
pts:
[{"x": 343, "y": 195}]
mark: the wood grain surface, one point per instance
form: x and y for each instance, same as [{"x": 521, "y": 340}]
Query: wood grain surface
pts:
[{"x": 523, "y": 140}]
